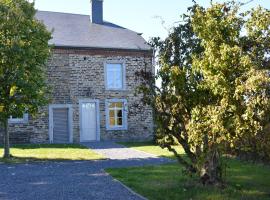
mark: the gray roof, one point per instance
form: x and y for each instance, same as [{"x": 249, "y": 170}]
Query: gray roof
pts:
[{"x": 74, "y": 30}]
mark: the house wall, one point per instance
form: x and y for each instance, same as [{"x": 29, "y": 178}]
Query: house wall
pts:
[{"x": 79, "y": 74}]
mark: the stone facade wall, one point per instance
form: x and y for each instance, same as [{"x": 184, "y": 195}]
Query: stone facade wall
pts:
[
  {"x": 34, "y": 131},
  {"x": 80, "y": 74}
]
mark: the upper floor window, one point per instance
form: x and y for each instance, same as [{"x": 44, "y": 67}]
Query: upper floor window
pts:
[{"x": 115, "y": 76}]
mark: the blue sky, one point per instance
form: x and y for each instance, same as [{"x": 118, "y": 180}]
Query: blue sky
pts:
[{"x": 139, "y": 15}]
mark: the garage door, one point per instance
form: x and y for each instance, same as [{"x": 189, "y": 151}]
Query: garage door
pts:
[{"x": 60, "y": 125}]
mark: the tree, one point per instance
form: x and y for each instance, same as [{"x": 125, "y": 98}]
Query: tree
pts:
[
  {"x": 23, "y": 52},
  {"x": 214, "y": 85},
  {"x": 256, "y": 43},
  {"x": 236, "y": 67}
]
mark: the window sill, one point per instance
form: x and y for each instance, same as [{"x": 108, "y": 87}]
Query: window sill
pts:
[
  {"x": 116, "y": 129},
  {"x": 115, "y": 90},
  {"x": 17, "y": 122}
]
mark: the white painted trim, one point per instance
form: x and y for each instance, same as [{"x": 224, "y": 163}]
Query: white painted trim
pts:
[
  {"x": 70, "y": 120},
  {"x": 96, "y": 101},
  {"x": 123, "y": 63},
  {"x": 125, "y": 114}
]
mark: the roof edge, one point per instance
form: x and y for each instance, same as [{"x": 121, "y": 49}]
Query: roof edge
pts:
[
  {"x": 48, "y": 11},
  {"x": 99, "y": 48}
]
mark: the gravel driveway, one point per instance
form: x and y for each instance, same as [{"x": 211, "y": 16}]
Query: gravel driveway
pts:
[
  {"x": 116, "y": 151},
  {"x": 69, "y": 180}
]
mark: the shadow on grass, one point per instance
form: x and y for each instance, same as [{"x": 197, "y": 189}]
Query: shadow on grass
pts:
[
  {"x": 244, "y": 180},
  {"x": 20, "y": 160},
  {"x": 138, "y": 144},
  {"x": 168, "y": 182}
]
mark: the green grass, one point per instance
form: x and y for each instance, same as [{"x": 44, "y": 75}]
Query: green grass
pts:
[
  {"x": 153, "y": 149},
  {"x": 49, "y": 152},
  {"x": 245, "y": 181}
]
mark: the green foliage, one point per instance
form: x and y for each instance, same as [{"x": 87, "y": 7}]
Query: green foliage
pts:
[
  {"x": 24, "y": 50},
  {"x": 23, "y": 53},
  {"x": 214, "y": 92},
  {"x": 236, "y": 71}
]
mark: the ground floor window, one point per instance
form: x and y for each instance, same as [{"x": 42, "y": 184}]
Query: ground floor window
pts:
[
  {"x": 18, "y": 119},
  {"x": 116, "y": 114}
]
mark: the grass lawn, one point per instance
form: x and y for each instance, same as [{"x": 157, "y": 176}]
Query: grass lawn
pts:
[
  {"x": 153, "y": 149},
  {"x": 244, "y": 180},
  {"x": 49, "y": 152}
]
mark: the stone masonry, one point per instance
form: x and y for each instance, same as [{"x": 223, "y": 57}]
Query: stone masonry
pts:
[{"x": 79, "y": 74}]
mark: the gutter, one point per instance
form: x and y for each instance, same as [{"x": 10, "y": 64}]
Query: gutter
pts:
[{"x": 100, "y": 48}]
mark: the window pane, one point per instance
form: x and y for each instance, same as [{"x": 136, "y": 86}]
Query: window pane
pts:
[
  {"x": 111, "y": 105},
  {"x": 110, "y": 82},
  {"x": 120, "y": 121},
  {"x": 112, "y": 122},
  {"x": 111, "y": 113},
  {"x": 119, "y": 105},
  {"x": 118, "y": 80},
  {"x": 16, "y": 117},
  {"x": 117, "y": 67},
  {"x": 119, "y": 113},
  {"x": 114, "y": 76}
]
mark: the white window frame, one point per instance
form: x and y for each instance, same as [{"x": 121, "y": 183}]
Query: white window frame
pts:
[
  {"x": 123, "y": 74},
  {"x": 23, "y": 120},
  {"x": 124, "y": 117}
]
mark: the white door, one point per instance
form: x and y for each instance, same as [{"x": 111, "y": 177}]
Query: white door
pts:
[{"x": 88, "y": 122}]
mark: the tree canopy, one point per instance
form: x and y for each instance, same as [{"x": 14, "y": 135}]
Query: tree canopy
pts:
[
  {"x": 24, "y": 51},
  {"x": 214, "y": 92}
]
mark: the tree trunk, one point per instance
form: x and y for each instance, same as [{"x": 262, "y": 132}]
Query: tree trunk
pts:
[
  {"x": 211, "y": 171},
  {"x": 6, "y": 140}
]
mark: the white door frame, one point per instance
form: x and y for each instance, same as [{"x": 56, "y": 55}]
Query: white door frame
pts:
[
  {"x": 81, "y": 101},
  {"x": 70, "y": 121}
]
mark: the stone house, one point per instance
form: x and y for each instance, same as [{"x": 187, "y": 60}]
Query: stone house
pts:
[{"x": 92, "y": 75}]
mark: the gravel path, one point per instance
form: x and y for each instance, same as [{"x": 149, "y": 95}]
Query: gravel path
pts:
[
  {"x": 115, "y": 151},
  {"x": 71, "y": 180}
]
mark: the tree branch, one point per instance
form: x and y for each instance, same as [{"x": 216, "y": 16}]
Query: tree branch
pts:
[{"x": 180, "y": 159}]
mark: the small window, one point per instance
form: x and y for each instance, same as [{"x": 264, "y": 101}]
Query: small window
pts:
[
  {"x": 18, "y": 119},
  {"x": 114, "y": 76},
  {"x": 116, "y": 114}
]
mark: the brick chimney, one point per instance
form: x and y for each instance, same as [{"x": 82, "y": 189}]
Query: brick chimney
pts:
[{"x": 96, "y": 11}]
